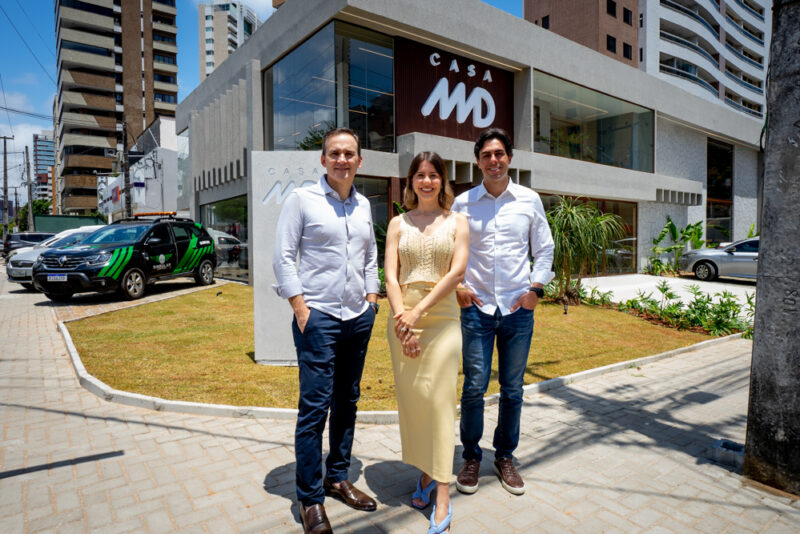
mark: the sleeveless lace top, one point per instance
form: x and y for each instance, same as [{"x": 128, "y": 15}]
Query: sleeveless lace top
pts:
[{"x": 425, "y": 258}]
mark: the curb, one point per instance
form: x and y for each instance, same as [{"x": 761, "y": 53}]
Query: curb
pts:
[{"x": 110, "y": 394}]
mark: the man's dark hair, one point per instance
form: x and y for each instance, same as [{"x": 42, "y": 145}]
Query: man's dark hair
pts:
[
  {"x": 488, "y": 135},
  {"x": 338, "y": 131}
]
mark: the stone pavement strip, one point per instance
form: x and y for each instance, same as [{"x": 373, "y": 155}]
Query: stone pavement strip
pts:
[{"x": 622, "y": 452}]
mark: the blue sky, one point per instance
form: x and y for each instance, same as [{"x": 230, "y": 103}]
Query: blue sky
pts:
[{"x": 28, "y": 63}]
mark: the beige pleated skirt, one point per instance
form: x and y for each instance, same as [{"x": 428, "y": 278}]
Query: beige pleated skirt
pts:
[{"x": 426, "y": 385}]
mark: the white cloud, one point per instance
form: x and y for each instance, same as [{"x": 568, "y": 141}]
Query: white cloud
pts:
[
  {"x": 23, "y": 136},
  {"x": 18, "y": 101},
  {"x": 27, "y": 78}
]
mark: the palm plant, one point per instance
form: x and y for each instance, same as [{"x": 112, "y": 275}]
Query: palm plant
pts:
[{"x": 581, "y": 233}]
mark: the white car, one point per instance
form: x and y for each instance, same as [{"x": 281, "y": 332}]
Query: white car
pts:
[{"x": 21, "y": 261}]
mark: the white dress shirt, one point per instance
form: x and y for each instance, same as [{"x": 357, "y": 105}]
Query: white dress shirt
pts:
[
  {"x": 504, "y": 233},
  {"x": 338, "y": 257}
]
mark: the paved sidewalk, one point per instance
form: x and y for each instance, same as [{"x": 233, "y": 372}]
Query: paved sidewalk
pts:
[
  {"x": 618, "y": 453},
  {"x": 628, "y": 286}
]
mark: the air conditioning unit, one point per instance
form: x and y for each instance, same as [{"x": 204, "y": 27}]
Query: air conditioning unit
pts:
[{"x": 110, "y": 152}]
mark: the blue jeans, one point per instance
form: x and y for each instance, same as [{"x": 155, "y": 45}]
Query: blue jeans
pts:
[
  {"x": 513, "y": 333},
  {"x": 330, "y": 355}
]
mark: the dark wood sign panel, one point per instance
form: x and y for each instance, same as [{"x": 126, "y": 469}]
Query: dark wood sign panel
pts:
[{"x": 441, "y": 93}]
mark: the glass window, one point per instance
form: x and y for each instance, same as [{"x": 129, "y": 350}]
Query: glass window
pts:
[
  {"x": 341, "y": 76},
  {"x": 546, "y": 22},
  {"x": 181, "y": 233},
  {"x": 226, "y": 222},
  {"x": 611, "y": 8},
  {"x": 627, "y": 51},
  {"x": 161, "y": 232},
  {"x": 627, "y": 16},
  {"x": 579, "y": 123},
  {"x": 611, "y": 44}
]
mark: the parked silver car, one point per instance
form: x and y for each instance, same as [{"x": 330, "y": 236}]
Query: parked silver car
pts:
[
  {"x": 739, "y": 259},
  {"x": 20, "y": 263}
]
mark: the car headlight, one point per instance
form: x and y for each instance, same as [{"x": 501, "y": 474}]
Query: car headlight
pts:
[{"x": 99, "y": 259}]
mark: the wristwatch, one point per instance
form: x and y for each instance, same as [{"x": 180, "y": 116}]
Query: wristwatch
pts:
[
  {"x": 375, "y": 307},
  {"x": 538, "y": 290}
]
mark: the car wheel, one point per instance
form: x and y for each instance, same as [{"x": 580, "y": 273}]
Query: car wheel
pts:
[
  {"x": 58, "y": 297},
  {"x": 705, "y": 271},
  {"x": 205, "y": 274},
  {"x": 132, "y": 285},
  {"x": 29, "y": 287}
]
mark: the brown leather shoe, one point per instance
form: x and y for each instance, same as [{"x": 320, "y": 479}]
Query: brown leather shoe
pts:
[
  {"x": 350, "y": 495},
  {"x": 509, "y": 476},
  {"x": 467, "y": 480},
  {"x": 314, "y": 519}
]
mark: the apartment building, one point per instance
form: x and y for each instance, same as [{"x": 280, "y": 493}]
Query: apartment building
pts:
[
  {"x": 607, "y": 26},
  {"x": 715, "y": 49},
  {"x": 223, "y": 27},
  {"x": 43, "y": 162},
  {"x": 117, "y": 62}
]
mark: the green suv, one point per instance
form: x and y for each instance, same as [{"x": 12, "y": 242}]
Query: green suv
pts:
[{"x": 127, "y": 255}]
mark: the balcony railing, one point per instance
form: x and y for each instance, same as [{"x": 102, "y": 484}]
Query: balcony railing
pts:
[
  {"x": 740, "y": 107},
  {"x": 690, "y": 13},
  {"x": 750, "y": 10},
  {"x": 744, "y": 57},
  {"x": 744, "y": 83},
  {"x": 688, "y": 44},
  {"x": 691, "y": 77},
  {"x": 745, "y": 32}
]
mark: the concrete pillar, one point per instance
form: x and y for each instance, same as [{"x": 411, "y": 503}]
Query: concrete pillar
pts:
[{"x": 772, "y": 449}]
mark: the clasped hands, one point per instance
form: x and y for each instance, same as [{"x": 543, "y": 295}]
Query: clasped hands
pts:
[{"x": 404, "y": 323}]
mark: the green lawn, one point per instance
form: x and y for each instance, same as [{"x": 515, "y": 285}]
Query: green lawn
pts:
[{"x": 198, "y": 347}]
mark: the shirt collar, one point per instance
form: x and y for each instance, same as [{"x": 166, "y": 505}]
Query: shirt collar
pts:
[
  {"x": 482, "y": 192},
  {"x": 329, "y": 191}
]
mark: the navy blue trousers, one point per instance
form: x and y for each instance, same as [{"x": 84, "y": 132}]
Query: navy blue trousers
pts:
[{"x": 330, "y": 356}]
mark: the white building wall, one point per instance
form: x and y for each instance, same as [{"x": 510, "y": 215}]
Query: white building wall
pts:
[{"x": 745, "y": 191}]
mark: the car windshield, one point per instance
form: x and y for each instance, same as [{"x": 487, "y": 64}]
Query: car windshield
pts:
[
  {"x": 116, "y": 234},
  {"x": 66, "y": 240},
  {"x": 35, "y": 238}
]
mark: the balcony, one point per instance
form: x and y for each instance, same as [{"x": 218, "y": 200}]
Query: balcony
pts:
[
  {"x": 691, "y": 77},
  {"x": 689, "y": 13},
  {"x": 86, "y": 100},
  {"x": 71, "y": 79},
  {"x": 161, "y": 46},
  {"x": 743, "y": 83},
  {"x": 165, "y": 107},
  {"x": 161, "y": 7},
  {"x": 743, "y": 109},
  {"x": 94, "y": 122},
  {"x": 750, "y": 10},
  {"x": 166, "y": 68},
  {"x": 79, "y": 181},
  {"x": 744, "y": 31},
  {"x": 743, "y": 57},
  {"x": 76, "y": 18},
  {"x": 74, "y": 203},
  {"x": 99, "y": 163},
  {"x": 166, "y": 28},
  {"x": 97, "y": 141},
  {"x": 74, "y": 58},
  {"x": 690, "y": 45},
  {"x": 163, "y": 87}
]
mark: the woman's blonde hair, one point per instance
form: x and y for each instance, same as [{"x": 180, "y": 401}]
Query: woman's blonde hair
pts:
[{"x": 446, "y": 196}]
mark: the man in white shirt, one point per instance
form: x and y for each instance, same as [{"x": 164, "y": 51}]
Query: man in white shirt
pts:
[
  {"x": 333, "y": 291},
  {"x": 507, "y": 226}
]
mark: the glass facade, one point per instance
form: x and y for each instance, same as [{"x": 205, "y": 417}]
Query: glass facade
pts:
[
  {"x": 575, "y": 122},
  {"x": 719, "y": 192},
  {"x": 226, "y": 221},
  {"x": 621, "y": 258},
  {"x": 340, "y": 76}
]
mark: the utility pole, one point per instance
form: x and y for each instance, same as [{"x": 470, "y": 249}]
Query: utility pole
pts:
[
  {"x": 30, "y": 192},
  {"x": 772, "y": 447},
  {"x": 126, "y": 177},
  {"x": 5, "y": 186}
]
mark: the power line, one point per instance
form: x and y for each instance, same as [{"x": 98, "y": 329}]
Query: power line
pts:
[
  {"x": 2, "y": 86},
  {"x": 47, "y": 46},
  {"x": 26, "y": 45}
]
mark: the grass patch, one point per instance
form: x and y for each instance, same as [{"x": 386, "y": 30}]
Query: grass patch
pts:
[{"x": 198, "y": 347}]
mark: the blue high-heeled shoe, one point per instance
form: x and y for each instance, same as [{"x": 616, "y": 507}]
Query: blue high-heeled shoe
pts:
[
  {"x": 423, "y": 494},
  {"x": 441, "y": 527}
]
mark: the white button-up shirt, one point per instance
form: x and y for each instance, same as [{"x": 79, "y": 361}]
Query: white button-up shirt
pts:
[
  {"x": 336, "y": 242},
  {"x": 504, "y": 233}
]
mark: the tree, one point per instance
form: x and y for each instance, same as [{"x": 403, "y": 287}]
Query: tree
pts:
[
  {"x": 582, "y": 234},
  {"x": 40, "y": 207}
]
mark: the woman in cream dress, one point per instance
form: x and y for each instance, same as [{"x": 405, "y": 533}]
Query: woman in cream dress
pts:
[{"x": 426, "y": 256}]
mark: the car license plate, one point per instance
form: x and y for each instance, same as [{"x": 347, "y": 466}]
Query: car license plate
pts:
[
  {"x": 56, "y": 277},
  {"x": 17, "y": 273}
]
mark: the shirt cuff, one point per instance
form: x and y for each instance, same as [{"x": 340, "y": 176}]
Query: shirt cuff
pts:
[
  {"x": 372, "y": 286},
  {"x": 289, "y": 289},
  {"x": 543, "y": 278}
]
